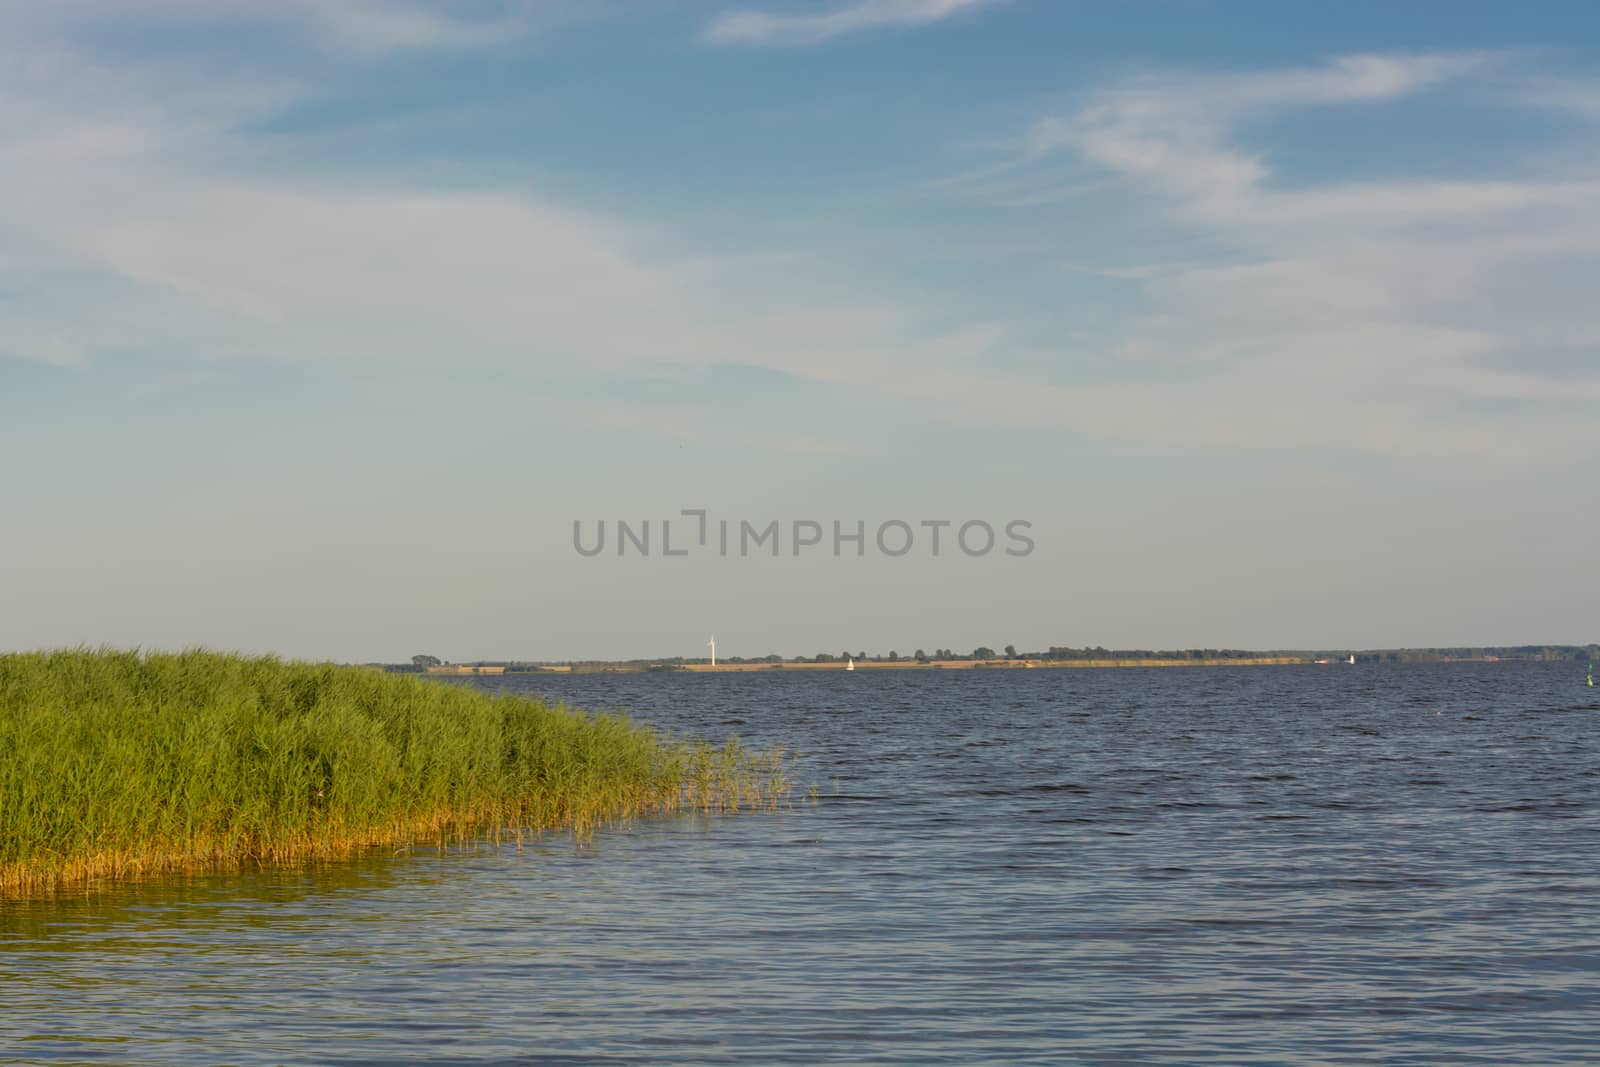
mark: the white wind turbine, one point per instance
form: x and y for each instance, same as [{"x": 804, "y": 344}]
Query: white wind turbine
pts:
[{"x": 713, "y": 644}]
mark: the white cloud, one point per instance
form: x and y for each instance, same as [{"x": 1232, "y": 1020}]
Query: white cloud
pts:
[
  {"x": 362, "y": 26},
  {"x": 1349, "y": 78},
  {"x": 1578, "y": 97},
  {"x": 768, "y": 28},
  {"x": 1175, "y": 132},
  {"x": 1374, "y": 313},
  {"x": 390, "y": 26},
  {"x": 1340, "y": 313},
  {"x": 150, "y": 206}
]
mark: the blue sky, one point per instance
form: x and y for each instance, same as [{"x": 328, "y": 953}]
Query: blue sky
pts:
[{"x": 321, "y": 323}]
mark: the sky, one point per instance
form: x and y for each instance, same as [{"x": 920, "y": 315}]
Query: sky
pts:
[{"x": 344, "y": 330}]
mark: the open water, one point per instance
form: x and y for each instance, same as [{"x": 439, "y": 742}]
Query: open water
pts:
[{"x": 1367, "y": 864}]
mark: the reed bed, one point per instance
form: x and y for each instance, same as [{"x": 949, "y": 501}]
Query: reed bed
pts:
[{"x": 120, "y": 764}]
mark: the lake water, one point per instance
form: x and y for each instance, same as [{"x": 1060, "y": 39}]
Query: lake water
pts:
[{"x": 1232, "y": 865}]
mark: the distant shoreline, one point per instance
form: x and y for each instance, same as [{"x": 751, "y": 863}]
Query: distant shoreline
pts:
[
  {"x": 986, "y": 664},
  {"x": 1569, "y": 654},
  {"x": 985, "y": 658}
]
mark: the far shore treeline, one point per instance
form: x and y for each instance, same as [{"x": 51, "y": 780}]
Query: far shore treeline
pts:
[{"x": 1010, "y": 656}]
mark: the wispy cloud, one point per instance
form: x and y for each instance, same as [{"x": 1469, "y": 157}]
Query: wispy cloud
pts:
[
  {"x": 1175, "y": 132},
  {"x": 359, "y": 26},
  {"x": 1577, "y": 97},
  {"x": 391, "y": 26},
  {"x": 1374, "y": 313},
  {"x": 134, "y": 193},
  {"x": 749, "y": 27},
  {"x": 1361, "y": 312}
]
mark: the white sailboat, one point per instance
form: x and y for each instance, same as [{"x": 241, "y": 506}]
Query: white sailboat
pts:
[
  {"x": 1352, "y": 659},
  {"x": 850, "y": 666}
]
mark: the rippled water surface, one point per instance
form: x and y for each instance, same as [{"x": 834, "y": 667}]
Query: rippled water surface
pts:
[{"x": 1231, "y": 865}]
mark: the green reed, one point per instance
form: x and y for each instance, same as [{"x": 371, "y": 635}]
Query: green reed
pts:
[{"x": 121, "y": 764}]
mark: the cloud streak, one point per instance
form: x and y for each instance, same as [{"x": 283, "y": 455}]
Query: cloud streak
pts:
[
  {"x": 1380, "y": 314},
  {"x": 1175, "y": 133},
  {"x": 1369, "y": 313},
  {"x": 763, "y": 28},
  {"x": 143, "y": 198},
  {"x": 365, "y": 27}
]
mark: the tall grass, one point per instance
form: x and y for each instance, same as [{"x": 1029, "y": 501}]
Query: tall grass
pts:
[{"x": 121, "y": 764}]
